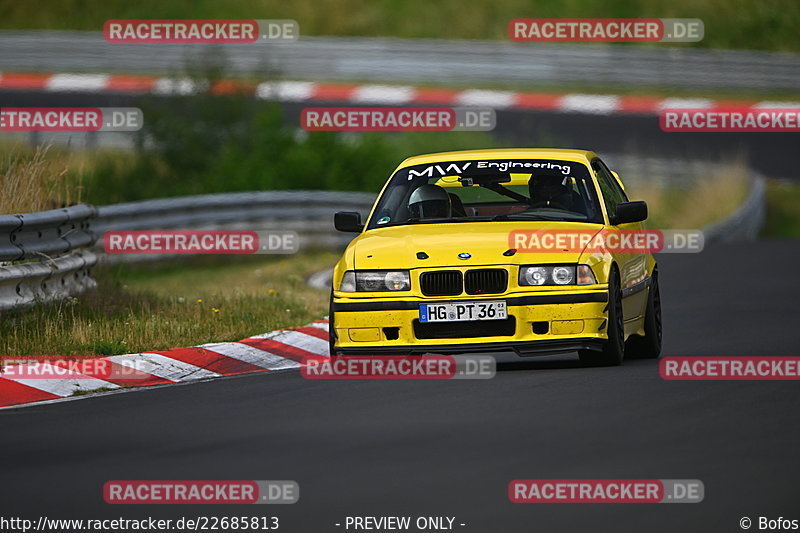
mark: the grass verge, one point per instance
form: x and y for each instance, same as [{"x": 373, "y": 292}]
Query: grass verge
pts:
[
  {"x": 783, "y": 209},
  {"x": 167, "y": 305}
]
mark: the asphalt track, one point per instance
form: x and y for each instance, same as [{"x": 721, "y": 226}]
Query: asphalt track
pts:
[{"x": 450, "y": 448}]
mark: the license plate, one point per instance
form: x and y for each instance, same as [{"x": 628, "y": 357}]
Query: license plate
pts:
[{"x": 463, "y": 311}]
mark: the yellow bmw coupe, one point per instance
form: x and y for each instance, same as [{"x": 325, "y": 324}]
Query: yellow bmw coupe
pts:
[{"x": 497, "y": 250}]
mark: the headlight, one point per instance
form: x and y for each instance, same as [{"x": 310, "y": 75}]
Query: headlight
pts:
[
  {"x": 563, "y": 275},
  {"x": 533, "y": 275},
  {"x": 375, "y": 281}
]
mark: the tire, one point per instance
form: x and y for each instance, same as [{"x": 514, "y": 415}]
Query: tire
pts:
[
  {"x": 614, "y": 349},
  {"x": 331, "y": 329},
  {"x": 649, "y": 345}
]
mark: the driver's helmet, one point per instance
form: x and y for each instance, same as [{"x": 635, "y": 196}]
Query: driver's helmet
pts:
[
  {"x": 429, "y": 201},
  {"x": 544, "y": 188}
]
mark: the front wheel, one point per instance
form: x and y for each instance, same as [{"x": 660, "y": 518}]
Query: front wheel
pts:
[
  {"x": 649, "y": 345},
  {"x": 614, "y": 349}
]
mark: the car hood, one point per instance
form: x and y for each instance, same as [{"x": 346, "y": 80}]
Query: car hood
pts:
[{"x": 485, "y": 242}]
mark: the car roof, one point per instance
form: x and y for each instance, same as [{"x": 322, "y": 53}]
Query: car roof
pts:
[{"x": 581, "y": 156}]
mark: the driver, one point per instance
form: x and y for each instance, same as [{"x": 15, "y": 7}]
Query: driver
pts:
[
  {"x": 550, "y": 191},
  {"x": 430, "y": 201}
]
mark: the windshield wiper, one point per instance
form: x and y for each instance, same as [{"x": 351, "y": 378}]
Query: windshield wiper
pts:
[
  {"x": 525, "y": 215},
  {"x": 446, "y": 219},
  {"x": 521, "y": 216}
]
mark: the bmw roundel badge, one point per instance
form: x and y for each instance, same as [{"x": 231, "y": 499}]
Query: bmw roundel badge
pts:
[{"x": 464, "y": 255}]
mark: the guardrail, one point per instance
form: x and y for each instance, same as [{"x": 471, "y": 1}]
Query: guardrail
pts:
[
  {"x": 44, "y": 255},
  {"x": 385, "y": 60},
  {"x": 309, "y": 213},
  {"x": 29, "y": 283},
  {"x": 45, "y": 233},
  {"x": 746, "y": 222},
  {"x": 67, "y": 233}
]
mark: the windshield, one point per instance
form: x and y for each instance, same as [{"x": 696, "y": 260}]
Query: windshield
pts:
[{"x": 484, "y": 190}]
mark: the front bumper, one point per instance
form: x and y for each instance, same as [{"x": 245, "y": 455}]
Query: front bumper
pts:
[
  {"x": 540, "y": 323},
  {"x": 524, "y": 349}
]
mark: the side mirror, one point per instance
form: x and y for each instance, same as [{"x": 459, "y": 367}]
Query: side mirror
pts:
[
  {"x": 628, "y": 212},
  {"x": 349, "y": 221}
]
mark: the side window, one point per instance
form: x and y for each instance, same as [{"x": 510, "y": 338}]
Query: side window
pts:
[
  {"x": 612, "y": 192},
  {"x": 614, "y": 181}
]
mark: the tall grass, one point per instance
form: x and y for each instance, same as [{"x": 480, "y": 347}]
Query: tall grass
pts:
[
  {"x": 709, "y": 198},
  {"x": 31, "y": 181}
]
